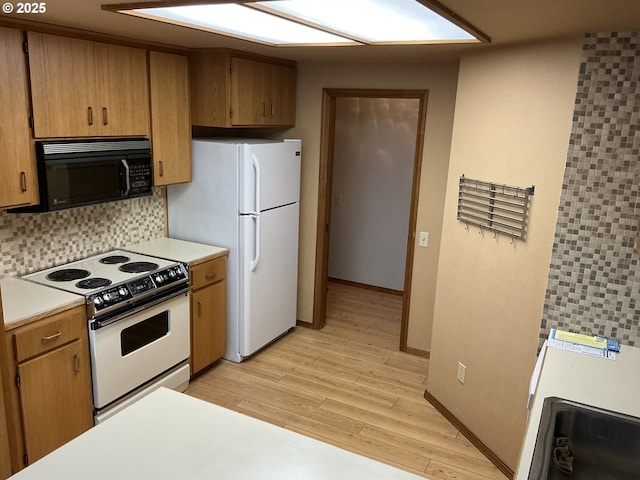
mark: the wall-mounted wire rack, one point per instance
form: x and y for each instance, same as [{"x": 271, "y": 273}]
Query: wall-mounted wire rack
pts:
[{"x": 493, "y": 206}]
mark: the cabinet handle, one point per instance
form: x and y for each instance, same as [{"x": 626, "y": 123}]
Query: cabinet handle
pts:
[
  {"x": 51, "y": 337},
  {"x": 209, "y": 276},
  {"x": 199, "y": 309},
  {"x": 264, "y": 109},
  {"x": 23, "y": 181},
  {"x": 161, "y": 168},
  {"x": 76, "y": 363},
  {"x": 90, "y": 115},
  {"x": 272, "y": 109},
  {"x": 105, "y": 118}
]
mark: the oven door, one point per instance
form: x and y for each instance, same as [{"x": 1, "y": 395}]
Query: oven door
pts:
[{"x": 133, "y": 350}]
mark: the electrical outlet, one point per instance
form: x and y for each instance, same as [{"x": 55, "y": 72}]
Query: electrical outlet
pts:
[
  {"x": 424, "y": 239},
  {"x": 461, "y": 372}
]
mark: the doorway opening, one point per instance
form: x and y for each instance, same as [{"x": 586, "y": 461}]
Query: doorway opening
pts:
[{"x": 334, "y": 102}]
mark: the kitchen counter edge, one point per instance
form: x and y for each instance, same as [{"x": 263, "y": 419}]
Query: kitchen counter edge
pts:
[
  {"x": 191, "y": 253},
  {"x": 607, "y": 384},
  {"x": 24, "y": 302}
]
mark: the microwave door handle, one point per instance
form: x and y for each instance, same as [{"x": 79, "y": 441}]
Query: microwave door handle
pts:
[{"x": 127, "y": 177}]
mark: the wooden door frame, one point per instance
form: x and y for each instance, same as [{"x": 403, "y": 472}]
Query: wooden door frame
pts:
[{"x": 327, "y": 141}]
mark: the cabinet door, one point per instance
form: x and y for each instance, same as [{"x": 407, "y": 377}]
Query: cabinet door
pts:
[
  {"x": 122, "y": 90},
  {"x": 282, "y": 95},
  {"x": 63, "y": 93},
  {"x": 249, "y": 92},
  {"x": 55, "y": 396},
  {"x": 209, "y": 325},
  {"x": 170, "y": 118},
  {"x": 5, "y": 457},
  {"x": 18, "y": 181}
]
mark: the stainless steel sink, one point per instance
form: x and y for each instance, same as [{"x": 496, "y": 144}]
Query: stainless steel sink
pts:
[{"x": 582, "y": 442}]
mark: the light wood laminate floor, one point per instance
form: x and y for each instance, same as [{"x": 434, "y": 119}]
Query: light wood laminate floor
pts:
[{"x": 348, "y": 385}]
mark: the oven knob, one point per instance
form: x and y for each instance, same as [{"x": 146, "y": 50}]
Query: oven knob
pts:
[
  {"x": 106, "y": 297},
  {"x": 97, "y": 301},
  {"x": 172, "y": 274},
  {"x": 123, "y": 291},
  {"x": 159, "y": 278}
]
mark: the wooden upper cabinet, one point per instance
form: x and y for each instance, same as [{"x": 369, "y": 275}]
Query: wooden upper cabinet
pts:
[
  {"x": 231, "y": 89},
  {"x": 81, "y": 88},
  {"x": 282, "y": 95},
  {"x": 123, "y": 95},
  {"x": 249, "y": 92},
  {"x": 170, "y": 118},
  {"x": 18, "y": 181}
]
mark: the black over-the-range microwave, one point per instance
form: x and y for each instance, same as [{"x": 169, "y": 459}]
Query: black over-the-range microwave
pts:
[{"x": 73, "y": 173}]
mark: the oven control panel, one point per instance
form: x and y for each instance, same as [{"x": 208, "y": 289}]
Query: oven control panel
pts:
[{"x": 148, "y": 285}]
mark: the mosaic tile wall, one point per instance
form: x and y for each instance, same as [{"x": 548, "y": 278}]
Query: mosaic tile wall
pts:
[
  {"x": 594, "y": 282},
  {"x": 32, "y": 242}
]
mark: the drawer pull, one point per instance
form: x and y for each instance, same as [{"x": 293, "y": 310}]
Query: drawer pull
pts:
[
  {"x": 210, "y": 276},
  {"x": 51, "y": 337}
]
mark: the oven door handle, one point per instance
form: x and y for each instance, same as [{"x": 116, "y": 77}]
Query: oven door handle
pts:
[
  {"x": 101, "y": 323},
  {"x": 127, "y": 178}
]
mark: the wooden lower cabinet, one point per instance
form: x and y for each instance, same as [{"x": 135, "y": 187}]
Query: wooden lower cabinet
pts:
[
  {"x": 208, "y": 313},
  {"x": 50, "y": 400}
]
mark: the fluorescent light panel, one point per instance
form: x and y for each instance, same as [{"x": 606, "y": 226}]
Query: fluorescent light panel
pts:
[
  {"x": 338, "y": 22},
  {"x": 239, "y": 21},
  {"x": 374, "y": 21}
]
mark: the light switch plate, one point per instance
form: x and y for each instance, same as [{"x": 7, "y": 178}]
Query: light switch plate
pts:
[
  {"x": 424, "y": 239},
  {"x": 462, "y": 370}
]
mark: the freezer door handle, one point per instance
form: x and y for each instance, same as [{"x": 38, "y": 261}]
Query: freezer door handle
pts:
[
  {"x": 256, "y": 237},
  {"x": 256, "y": 167}
]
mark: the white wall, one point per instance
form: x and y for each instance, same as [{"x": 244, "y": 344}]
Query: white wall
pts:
[
  {"x": 372, "y": 176},
  {"x": 513, "y": 118}
]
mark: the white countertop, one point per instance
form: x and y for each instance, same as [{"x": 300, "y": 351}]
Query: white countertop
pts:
[
  {"x": 24, "y": 302},
  {"x": 607, "y": 384},
  {"x": 180, "y": 250},
  {"x": 169, "y": 435}
]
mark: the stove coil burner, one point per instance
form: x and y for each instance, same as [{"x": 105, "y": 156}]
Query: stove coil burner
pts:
[
  {"x": 138, "y": 267},
  {"x": 91, "y": 283},
  {"x": 68, "y": 274},
  {"x": 113, "y": 259}
]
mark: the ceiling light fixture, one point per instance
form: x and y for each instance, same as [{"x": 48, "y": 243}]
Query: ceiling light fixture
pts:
[{"x": 315, "y": 22}]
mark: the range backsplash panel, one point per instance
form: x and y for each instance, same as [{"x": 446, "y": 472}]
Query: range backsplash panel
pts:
[
  {"x": 594, "y": 281},
  {"x": 35, "y": 241}
]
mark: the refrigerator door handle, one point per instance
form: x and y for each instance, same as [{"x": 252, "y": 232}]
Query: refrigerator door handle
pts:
[
  {"x": 256, "y": 258},
  {"x": 256, "y": 167}
]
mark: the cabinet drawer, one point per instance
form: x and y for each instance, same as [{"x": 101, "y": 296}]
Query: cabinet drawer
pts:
[
  {"x": 209, "y": 272},
  {"x": 48, "y": 334}
]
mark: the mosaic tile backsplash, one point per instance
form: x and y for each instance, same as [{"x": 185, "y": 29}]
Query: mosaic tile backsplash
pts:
[
  {"x": 35, "y": 241},
  {"x": 594, "y": 282}
]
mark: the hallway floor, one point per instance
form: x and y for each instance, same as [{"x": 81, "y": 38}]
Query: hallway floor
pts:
[{"x": 348, "y": 385}]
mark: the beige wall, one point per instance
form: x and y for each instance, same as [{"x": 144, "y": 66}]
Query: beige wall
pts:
[
  {"x": 440, "y": 80},
  {"x": 512, "y": 124}
]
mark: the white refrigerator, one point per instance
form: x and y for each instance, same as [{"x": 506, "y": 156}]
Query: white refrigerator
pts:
[{"x": 245, "y": 196}]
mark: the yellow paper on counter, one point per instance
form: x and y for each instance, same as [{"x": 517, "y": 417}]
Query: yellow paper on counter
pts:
[{"x": 581, "y": 339}]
